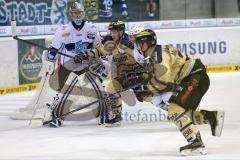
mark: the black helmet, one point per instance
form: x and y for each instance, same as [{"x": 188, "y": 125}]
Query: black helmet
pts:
[
  {"x": 148, "y": 36},
  {"x": 117, "y": 25}
]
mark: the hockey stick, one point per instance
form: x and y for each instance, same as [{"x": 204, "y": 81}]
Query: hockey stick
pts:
[
  {"x": 14, "y": 36},
  {"x": 39, "y": 95},
  {"x": 89, "y": 104}
]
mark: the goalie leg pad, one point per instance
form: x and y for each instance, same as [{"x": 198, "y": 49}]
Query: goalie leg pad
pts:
[
  {"x": 98, "y": 90},
  {"x": 58, "y": 108}
]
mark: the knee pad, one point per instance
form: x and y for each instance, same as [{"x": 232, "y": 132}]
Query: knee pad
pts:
[{"x": 179, "y": 117}]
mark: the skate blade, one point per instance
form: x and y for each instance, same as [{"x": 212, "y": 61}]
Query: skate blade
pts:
[
  {"x": 36, "y": 123},
  {"x": 219, "y": 127},
  {"x": 117, "y": 124},
  {"x": 191, "y": 152}
]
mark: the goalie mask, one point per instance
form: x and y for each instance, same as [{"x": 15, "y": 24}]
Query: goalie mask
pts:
[
  {"x": 146, "y": 37},
  {"x": 75, "y": 11}
]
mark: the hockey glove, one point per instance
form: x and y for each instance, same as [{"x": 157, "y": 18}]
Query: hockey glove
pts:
[
  {"x": 148, "y": 68},
  {"x": 80, "y": 57},
  {"x": 100, "y": 69}
]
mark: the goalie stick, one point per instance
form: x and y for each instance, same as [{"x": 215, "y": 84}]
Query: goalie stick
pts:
[
  {"x": 14, "y": 36},
  {"x": 39, "y": 95}
]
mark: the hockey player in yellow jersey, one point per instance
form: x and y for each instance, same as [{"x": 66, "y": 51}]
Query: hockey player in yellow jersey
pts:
[
  {"x": 119, "y": 47},
  {"x": 171, "y": 71}
]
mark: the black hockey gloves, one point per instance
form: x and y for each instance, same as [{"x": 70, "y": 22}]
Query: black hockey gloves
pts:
[{"x": 80, "y": 57}]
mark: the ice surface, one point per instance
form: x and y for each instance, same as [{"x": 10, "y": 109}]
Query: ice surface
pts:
[{"x": 136, "y": 139}]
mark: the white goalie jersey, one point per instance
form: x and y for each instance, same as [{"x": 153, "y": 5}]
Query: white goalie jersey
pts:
[{"x": 74, "y": 41}]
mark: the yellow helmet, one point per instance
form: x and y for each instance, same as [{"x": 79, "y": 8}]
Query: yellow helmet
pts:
[
  {"x": 148, "y": 36},
  {"x": 117, "y": 25}
]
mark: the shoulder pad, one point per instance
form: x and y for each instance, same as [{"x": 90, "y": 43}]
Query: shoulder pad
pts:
[
  {"x": 64, "y": 27},
  {"x": 90, "y": 25},
  {"x": 63, "y": 30}
]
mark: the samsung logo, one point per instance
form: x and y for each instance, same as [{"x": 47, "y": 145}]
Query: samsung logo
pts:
[{"x": 203, "y": 47}]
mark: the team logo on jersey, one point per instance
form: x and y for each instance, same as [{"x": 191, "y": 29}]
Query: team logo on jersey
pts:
[
  {"x": 79, "y": 47},
  {"x": 65, "y": 34},
  {"x": 91, "y": 35}
]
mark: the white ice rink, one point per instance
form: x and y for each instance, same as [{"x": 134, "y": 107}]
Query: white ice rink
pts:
[{"x": 132, "y": 141}]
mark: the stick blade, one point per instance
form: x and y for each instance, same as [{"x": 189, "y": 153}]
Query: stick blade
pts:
[{"x": 129, "y": 97}]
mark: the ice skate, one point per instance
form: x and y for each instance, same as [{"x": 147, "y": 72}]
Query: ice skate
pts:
[
  {"x": 56, "y": 123},
  {"x": 113, "y": 120},
  {"x": 216, "y": 120},
  {"x": 194, "y": 148}
]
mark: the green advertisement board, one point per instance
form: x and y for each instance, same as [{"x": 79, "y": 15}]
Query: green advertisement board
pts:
[{"x": 29, "y": 61}]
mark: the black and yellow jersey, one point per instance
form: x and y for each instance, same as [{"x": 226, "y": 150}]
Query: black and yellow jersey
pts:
[{"x": 169, "y": 66}]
